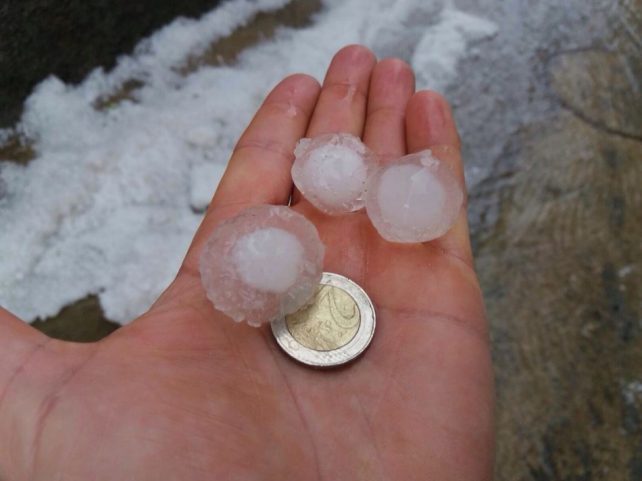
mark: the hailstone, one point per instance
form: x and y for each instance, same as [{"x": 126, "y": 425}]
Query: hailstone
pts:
[
  {"x": 332, "y": 170},
  {"x": 262, "y": 264},
  {"x": 413, "y": 199}
]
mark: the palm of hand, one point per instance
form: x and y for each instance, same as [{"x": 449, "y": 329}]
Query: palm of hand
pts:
[{"x": 183, "y": 393}]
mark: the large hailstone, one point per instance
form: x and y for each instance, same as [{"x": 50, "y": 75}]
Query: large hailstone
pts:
[
  {"x": 413, "y": 199},
  {"x": 262, "y": 264},
  {"x": 332, "y": 170}
]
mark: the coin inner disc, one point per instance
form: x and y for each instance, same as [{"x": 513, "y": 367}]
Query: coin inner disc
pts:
[{"x": 328, "y": 323}]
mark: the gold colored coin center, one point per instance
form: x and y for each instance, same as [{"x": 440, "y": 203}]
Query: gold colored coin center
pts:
[{"x": 328, "y": 323}]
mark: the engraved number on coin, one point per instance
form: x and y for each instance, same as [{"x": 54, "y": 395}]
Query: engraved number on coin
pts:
[{"x": 330, "y": 322}]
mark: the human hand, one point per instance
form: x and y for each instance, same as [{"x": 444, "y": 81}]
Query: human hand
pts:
[{"x": 184, "y": 393}]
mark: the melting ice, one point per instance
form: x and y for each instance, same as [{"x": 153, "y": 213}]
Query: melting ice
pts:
[
  {"x": 331, "y": 172},
  {"x": 413, "y": 199},
  {"x": 262, "y": 264}
]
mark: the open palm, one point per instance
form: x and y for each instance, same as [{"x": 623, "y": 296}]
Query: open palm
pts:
[{"x": 183, "y": 393}]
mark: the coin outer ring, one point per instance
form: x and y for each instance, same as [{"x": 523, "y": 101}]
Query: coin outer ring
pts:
[{"x": 343, "y": 354}]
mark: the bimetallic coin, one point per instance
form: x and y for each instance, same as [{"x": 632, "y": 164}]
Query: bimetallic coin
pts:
[{"x": 335, "y": 327}]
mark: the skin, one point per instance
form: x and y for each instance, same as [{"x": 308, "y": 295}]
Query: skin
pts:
[{"x": 184, "y": 393}]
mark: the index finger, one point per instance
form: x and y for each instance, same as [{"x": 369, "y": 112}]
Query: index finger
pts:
[
  {"x": 259, "y": 170},
  {"x": 343, "y": 99}
]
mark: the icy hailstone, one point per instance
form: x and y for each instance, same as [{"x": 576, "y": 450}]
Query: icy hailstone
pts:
[
  {"x": 414, "y": 199},
  {"x": 332, "y": 170},
  {"x": 262, "y": 264}
]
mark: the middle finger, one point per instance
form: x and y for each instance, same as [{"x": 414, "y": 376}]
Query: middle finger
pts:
[{"x": 343, "y": 100}]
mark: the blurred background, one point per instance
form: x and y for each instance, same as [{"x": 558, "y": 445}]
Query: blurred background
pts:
[{"x": 117, "y": 119}]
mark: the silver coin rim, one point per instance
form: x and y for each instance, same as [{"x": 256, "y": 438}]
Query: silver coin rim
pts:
[{"x": 344, "y": 354}]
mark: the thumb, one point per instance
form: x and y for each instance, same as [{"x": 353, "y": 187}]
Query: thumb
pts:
[
  {"x": 34, "y": 368},
  {"x": 18, "y": 341}
]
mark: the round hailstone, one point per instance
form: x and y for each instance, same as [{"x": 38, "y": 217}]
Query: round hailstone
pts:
[
  {"x": 262, "y": 264},
  {"x": 414, "y": 199},
  {"x": 332, "y": 170}
]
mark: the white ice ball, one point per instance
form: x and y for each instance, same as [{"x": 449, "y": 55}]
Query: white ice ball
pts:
[
  {"x": 413, "y": 199},
  {"x": 257, "y": 253},
  {"x": 262, "y": 264},
  {"x": 332, "y": 170}
]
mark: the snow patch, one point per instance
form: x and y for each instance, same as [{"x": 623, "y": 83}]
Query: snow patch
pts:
[{"x": 108, "y": 205}]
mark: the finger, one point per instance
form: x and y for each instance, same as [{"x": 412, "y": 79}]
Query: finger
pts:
[
  {"x": 343, "y": 99},
  {"x": 259, "y": 170},
  {"x": 430, "y": 125},
  {"x": 342, "y": 103},
  {"x": 391, "y": 86}
]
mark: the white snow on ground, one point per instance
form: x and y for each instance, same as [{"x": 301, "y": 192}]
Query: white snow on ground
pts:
[{"x": 107, "y": 206}]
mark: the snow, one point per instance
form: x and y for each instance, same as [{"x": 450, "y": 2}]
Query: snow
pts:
[
  {"x": 436, "y": 55},
  {"x": 203, "y": 177},
  {"x": 113, "y": 197}
]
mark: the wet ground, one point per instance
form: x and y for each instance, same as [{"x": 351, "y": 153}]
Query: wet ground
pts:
[
  {"x": 557, "y": 230},
  {"x": 70, "y": 38},
  {"x": 550, "y": 116}
]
